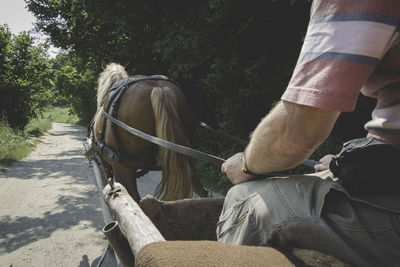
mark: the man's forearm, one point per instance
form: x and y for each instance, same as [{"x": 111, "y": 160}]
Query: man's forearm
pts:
[{"x": 287, "y": 136}]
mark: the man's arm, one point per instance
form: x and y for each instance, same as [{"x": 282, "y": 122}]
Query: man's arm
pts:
[{"x": 286, "y": 137}]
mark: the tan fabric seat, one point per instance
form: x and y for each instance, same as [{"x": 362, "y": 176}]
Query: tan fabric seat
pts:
[
  {"x": 208, "y": 253},
  {"x": 211, "y": 253}
]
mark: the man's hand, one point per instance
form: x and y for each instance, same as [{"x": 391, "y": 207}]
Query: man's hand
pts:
[
  {"x": 233, "y": 169},
  {"x": 324, "y": 163}
]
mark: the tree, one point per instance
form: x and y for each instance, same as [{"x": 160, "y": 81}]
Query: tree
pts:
[
  {"x": 5, "y": 43},
  {"x": 223, "y": 53},
  {"x": 25, "y": 84},
  {"x": 77, "y": 88}
]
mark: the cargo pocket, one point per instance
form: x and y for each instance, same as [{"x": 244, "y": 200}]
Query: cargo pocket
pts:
[{"x": 231, "y": 219}]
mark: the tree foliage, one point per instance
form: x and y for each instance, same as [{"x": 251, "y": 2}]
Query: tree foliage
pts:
[
  {"x": 76, "y": 88},
  {"x": 25, "y": 77},
  {"x": 225, "y": 54}
]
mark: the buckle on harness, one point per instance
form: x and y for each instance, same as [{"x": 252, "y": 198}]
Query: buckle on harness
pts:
[{"x": 108, "y": 152}]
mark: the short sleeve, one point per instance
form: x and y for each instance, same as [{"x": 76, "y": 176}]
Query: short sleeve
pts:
[{"x": 343, "y": 45}]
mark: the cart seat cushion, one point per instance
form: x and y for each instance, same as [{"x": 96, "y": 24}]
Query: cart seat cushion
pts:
[{"x": 208, "y": 253}]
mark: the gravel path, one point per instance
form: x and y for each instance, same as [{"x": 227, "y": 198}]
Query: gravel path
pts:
[{"x": 49, "y": 207}]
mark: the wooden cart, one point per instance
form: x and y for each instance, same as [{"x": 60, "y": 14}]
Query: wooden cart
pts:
[{"x": 182, "y": 233}]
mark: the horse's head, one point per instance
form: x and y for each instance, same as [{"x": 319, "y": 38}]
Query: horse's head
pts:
[{"x": 112, "y": 73}]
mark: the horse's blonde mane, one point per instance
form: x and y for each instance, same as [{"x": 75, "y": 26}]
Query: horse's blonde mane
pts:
[{"x": 111, "y": 74}]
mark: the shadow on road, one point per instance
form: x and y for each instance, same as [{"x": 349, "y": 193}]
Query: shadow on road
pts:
[{"x": 76, "y": 205}]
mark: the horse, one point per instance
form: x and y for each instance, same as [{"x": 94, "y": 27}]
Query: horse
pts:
[{"x": 156, "y": 107}]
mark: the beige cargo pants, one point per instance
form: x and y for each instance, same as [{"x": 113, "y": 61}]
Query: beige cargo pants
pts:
[{"x": 313, "y": 212}]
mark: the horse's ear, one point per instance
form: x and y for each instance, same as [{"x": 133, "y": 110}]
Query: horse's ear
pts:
[{"x": 103, "y": 64}]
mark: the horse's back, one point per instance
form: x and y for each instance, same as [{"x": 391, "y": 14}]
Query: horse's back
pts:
[
  {"x": 153, "y": 105},
  {"x": 136, "y": 110}
]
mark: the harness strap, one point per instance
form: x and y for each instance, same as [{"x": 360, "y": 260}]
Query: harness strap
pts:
[
  {"x": 114, "y": 98},
  {"x": 115, "y": 93},
  {"x": 172, "y": 146}
]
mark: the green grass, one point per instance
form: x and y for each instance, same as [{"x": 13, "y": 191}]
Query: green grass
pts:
[
  {"x": 42, "y": 123},
  {"x": 13, "y": 145},
  {"x": 16, "y": 144}
]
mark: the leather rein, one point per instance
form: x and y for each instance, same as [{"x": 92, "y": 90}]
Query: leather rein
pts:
[
  {"x": 109, "y": 113},
  {"x": 169, "y": 145}
]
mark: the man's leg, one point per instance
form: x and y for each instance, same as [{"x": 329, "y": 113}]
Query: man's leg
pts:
[
  {"x": 254, "y": 212},
  {"x": 304, "y": 212}
]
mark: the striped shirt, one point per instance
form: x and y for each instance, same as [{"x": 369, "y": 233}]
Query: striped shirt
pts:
[{"x": 352, "y": 47}]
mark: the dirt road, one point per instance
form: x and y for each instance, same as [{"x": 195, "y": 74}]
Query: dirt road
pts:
[{"x": 49, "y": 205}]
